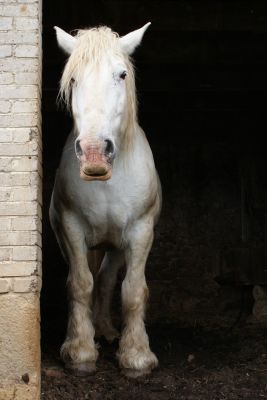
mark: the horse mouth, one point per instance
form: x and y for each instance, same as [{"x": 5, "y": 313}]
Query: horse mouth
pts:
[{"x": 95, "y": 173}]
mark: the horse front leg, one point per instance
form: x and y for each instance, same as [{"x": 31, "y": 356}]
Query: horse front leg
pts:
[
  {"x": 135, "y": 356},
  {"x": 78, "y": 350}
]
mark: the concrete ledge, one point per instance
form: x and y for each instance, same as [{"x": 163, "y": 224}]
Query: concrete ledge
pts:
[
  {"x": 19, "y": 346},
  {"x": 19, "y": 392}
]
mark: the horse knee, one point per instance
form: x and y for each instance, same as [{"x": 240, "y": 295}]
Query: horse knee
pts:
[
  {"x": 133, "y": 297},
  {"x": 80, "y": 289}
]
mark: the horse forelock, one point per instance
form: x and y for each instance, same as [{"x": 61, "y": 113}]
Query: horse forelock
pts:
[{"x": 91, "y": 45}]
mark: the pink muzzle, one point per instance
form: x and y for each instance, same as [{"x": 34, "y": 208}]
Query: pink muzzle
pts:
[{"x": 95, "y": 161}]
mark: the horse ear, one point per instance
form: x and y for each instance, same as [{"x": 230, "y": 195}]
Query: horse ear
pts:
[
  {"x": 130, "y": 41},
  {"x": 65, "y": 41}
]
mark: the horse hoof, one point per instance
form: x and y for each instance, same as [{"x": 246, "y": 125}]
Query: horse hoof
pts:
[
  {"x": 109, "y": 334},
  {"x": 135, "y": 373},
  {"x": 112, "y": 336},
  {"x": 81, "y": 369}
]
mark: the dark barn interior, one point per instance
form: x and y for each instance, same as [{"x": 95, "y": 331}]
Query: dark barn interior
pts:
[{"x": 201, "y": 76}]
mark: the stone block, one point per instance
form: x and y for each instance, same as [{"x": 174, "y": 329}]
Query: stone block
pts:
[
  {"x": 19, "y": 346},
  {"x": 5, "y": 286}
]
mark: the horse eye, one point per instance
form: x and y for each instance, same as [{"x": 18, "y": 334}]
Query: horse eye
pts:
[
  {"x": 72, "y": 81},
  {"x": 123, "y": 75}
]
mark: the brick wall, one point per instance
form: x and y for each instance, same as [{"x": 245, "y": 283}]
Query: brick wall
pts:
[{"x": 20, "y": 197}]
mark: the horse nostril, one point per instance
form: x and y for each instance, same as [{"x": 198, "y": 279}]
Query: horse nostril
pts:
[
  {"x": 78, "y": 148},
  {"x": 110, "y": 148}
]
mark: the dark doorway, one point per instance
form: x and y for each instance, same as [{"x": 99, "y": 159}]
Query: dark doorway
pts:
[{"x": 202, "y": 88}]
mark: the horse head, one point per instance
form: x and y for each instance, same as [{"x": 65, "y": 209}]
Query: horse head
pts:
[{"x": 98, "y": 85}]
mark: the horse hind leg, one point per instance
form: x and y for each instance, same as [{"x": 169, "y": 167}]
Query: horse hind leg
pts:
[
  {"x": 105, "y": 282},
  {"x": 95, "y": 258}
]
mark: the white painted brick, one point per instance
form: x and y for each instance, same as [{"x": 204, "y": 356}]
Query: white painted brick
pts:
[
  {"x": 19, "y": 238},
  {"x": 14, "y": 120},
  {"x": 26, "y": 24},
  {"x": 23, "y": 193},
  {"x": 18, "y": 208},
  {"x": 5, "y": 51},
  {"x": 39, "y": 211},
  {"x": 18, "y": 268},
  {"x": 25, "y": 164},
  {"x": 20, "y": 135},
  {"x": 26, "y": 253},
  {"x": 18, "y": 193},
  {"x": 24, "y": 106},
  {"x": 4, "y": 194},
  {"x": 22, "y": 10},
  {"x": 20, "y": 171},
  {"x": 19, "y": 37},
  {"x": 19, "y": 178},
  {"x": 5, "y": 163},
  {"x": 18, "y": 64},
  {"x": 27, "y": 284},
  {"x": 31, "y": 223},
  {"x": 6, "y": 23},
  {"x": 20, "y": 146},
  {"x": 6, "y": 78},
  {"x": 27, "y": 1},
  {"x": 5, "y": 223},
  {"x": 5, "y": 107},
  {"x": 26, "y": 50},
  {"x": 18, "y": 91},
  {"x": 5, "y": 136},
  {"x": 17, "y": 149},
  {"x": 5, "y": 253},
  {"x": 18, "y": 164},
  {"x": 40, "y": 167},
  {"x": 5, "y": 285},
  {"x": 27, "y": 78}
]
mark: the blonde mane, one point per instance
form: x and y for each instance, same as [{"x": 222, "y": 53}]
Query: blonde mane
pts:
[{"x": 91, "y": 45}]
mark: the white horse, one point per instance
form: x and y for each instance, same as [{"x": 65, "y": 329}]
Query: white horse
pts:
[{"x": 107, "y": 196}]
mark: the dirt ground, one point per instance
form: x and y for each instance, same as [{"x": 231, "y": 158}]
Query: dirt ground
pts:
[{"x": 195, "y": 364}]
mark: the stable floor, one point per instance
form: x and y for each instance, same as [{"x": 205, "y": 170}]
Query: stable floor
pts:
[{"x": 195, "y": 364}]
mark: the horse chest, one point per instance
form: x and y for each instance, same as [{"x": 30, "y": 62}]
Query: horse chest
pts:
[
  {"x": 107, "y": 204},
  {"x": 105, "y": 217},
  {"x": 105, "y": 228}
]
